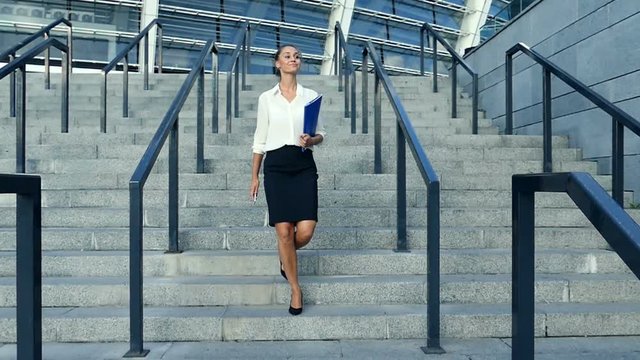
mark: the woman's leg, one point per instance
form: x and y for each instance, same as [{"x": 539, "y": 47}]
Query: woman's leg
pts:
[
  {"x": 288, "y": 256},
  {"x": 304, "y": 232}
]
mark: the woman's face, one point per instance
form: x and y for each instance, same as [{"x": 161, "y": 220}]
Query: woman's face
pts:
[{"x": 289, "y": 60}]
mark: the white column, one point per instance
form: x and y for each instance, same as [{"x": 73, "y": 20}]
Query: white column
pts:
[
  {"x": 342, "y": 10},
  {"x": 150, "y": 11},
  {"x": 474, "y": 19}
]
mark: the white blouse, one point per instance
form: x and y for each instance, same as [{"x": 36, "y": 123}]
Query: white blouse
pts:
[{"x": 280, "y": 122}]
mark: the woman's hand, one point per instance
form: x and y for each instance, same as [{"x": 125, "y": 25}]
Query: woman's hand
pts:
[
  {"x": 253, "y": 190},
  {"x": 306, "y": 140}
]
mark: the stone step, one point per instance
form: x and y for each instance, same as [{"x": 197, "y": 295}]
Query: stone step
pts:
[
  {"x": 317, "y": 262},
  {"x": 325, "y": 238},
  {"x": 324, "y": 290},
  {"x": 255, "y": 215},
  {"x": 320, "y": 322},
  {"x": 327, "y": 198}
]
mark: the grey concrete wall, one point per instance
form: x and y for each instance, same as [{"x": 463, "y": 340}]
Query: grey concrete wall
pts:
[{"x": 596, "y": 41}]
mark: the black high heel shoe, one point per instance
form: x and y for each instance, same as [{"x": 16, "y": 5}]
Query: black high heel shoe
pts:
[
  {"x": 295, "y": 312},
  {"x": 282, "y": 272}
]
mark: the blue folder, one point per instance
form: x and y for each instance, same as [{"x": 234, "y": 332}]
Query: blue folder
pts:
[{"x": 311, "y": 113}]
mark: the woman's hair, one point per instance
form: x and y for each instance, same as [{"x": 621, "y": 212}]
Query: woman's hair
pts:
[{"x": 277, "y": 55}]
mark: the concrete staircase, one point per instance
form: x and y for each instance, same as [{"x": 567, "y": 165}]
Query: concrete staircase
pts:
[{"x": 226, "y": 285}]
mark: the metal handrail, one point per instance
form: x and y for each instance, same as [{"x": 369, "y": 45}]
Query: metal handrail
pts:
[
  {"x": 10, "y": 55},
  {"x": 21, "y": 114},
  {"x": 620, "y": 119},
  {"x": 124, "y": 55},
  {"x": 243, "y": 45},
  {"x": 615, "y": 225},
  {"x": 347, "y": 70},
  {"x": 405, "y": 132},
  {"x": 28, "y": 261},
  {"x": 168, "y": 128},
  {"x": 455, "y": 60}
]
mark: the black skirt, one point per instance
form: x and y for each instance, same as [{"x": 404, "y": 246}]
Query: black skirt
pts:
[{"x": 291, "y": 185}]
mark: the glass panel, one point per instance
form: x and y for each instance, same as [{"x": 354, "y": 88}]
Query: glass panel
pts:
[{"x": 85, "y": 15}]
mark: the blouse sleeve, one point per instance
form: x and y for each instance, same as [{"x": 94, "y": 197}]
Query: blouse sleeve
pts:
[{"x": 262, "y": 125}]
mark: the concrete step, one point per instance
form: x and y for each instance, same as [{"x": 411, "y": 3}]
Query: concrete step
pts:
[
  {"x": 324, "y": 290},
  {"x": 321, "y": 322},
  {"x": 255, "y": 215},
  {"x": 317, "y": 262},
  {"x": 325, "y": 238}
]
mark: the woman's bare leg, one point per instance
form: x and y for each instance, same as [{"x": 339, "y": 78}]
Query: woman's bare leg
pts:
[
  {"x": 289, "y": 258},
  {"x": 304, "y": 232}
]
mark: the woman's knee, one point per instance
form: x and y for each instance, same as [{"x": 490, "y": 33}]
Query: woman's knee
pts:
[
  {"x": 304, "y": 231},
  {"x": 285, "y": 232}
]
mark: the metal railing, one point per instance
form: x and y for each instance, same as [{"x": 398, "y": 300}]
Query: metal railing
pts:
[
  {"x": 620, "y": 119},
  {"x": 28, "y": 261},
  {"x": 168, "y": 128},
  {"x": 21, "y": 103},
  {"x": 10, "y": 55},
  {"x": 236, "y": 68},
  {"x": 607, "y": 216},
  {"x": 455, "y": 61},
  {"x": 343, "y": 67},
  {"x": 124, "y": 55},
  {"x": 405, "y": 134}
]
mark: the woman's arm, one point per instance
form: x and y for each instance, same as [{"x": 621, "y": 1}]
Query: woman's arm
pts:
[{"x": 255, "y": 176}]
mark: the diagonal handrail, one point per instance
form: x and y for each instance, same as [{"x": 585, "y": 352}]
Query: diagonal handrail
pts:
[
  {"x": 10, "y": 55},
  {"x": 28, "y": 261},
  {"x": 620, "y": 119},
  {"x": 243, "y": 46},
  {"x": 168, "y": 129},
  {"x": 405, "y": 132},
  {"x": 615, "y": 225},
  {"x": 21, "y": 104},
  {"x": 456, "y": 59},
  {"x": 347, "y": 70},
  {"x": 123, "y": 56}
]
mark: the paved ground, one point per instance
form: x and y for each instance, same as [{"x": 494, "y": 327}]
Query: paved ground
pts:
[{"x": 601, "y": 348}]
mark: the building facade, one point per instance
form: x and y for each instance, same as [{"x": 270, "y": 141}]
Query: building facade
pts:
[{"x": 102, "y": 27}]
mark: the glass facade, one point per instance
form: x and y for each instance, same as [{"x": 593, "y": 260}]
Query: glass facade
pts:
[{"x": 105, "y": 26}]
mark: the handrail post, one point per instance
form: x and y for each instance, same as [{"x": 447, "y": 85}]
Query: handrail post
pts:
[
  {"x": 70, "y": 47},
  {"x": 64, "y": 116},
  {"x": 136, "y": 307},
  {"x": 347, "y": 101},
  {"x": 125, "y": 87},
  {"x": 474, "y": 106},
  {"x": 353, "y": 99},
  {"x": 214, "y": 93},
  {"x": 435, "y": 63},
  {"x": 339, "y": 64},
  {"x": 401, "y": 190},
  {"x": 160, "y": 36},
  {"x": 336, "y": 42},
  {"x": 617, "y": 161},
  {"x": 103, "y": 103},
  {"x": 245, "y": 58},
  {"x": 12, "y": 90},
  {"x": 47, "y": 67},
  {"x": 236, "y": 91},
  {"x": 422, "y": 51},
  {"x": 508, "y": 98},
  {"x": 29, "y": 272},
  {"x": 433, "y": 270},
  {"x": 229, "y": 102},
  {"x": 21, "y": 121},
  {"x": 546, "y": 121},
  {"x": 365, "y": 91},
  {"x": 173, "y": 188},
  {"x": 377, "y": 102},
  {"x": 146, "y": 62},
  {"x": 200, "y": 125},
  {"x": 454, "y": 88},
  {"x": 248, "y": 65},
  {"x": 523, "y": 275}
]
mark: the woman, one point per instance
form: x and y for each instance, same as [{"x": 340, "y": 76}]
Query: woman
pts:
[{"x": 290, "y": 174}]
